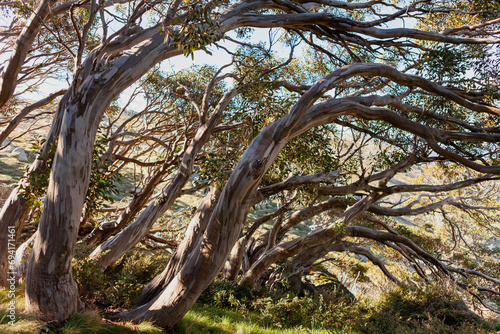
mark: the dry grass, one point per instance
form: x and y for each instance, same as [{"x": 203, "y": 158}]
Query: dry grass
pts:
[
  {"x": 86, "y": 322},
  {"x": 11, "y": 169}
]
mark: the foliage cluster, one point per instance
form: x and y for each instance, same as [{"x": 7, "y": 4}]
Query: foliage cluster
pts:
[
  {"x": 121, "y": 284},
  {"x": 103, "y": 181},
  {"x": 37, "y": 182},
  {"x": 228, "y": 294},
  {"x": 199, "y": 29},
  {"x": 435, "y": 308}
]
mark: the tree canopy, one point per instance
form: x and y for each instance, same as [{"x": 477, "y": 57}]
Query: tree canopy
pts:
[{"x": 371, "y": 127}]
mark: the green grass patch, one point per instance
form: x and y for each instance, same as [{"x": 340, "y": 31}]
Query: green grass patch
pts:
[
  {"x": 86, "y": 322},
  {"x": 21, "y": 323},
  {"x": 216, "y": 320}
]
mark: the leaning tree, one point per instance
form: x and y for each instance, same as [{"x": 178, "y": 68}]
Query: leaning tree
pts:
[{"x": 415, "y": 84}]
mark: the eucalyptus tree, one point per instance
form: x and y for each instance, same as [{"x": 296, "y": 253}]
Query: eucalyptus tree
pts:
[
  {"x": 169, "y": 121},
  {"x": 30, "y": 57},
  {"x": 356, "y": 104},
  {"x": 362, "y": 73}
]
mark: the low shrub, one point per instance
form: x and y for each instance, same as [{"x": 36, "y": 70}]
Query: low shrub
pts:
[
  {"x": 307, "y": 312},
  {"x": 121, "y": 284},
  {"x": 433, "y": 308},
  {"x": 228, "y": 294}
]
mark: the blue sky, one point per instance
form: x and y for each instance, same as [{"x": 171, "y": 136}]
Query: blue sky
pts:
[{"x": 218, "y": 58}]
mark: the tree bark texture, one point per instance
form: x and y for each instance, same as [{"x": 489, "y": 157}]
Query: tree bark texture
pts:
[
  {"x": 16, "y": 209},
  {"x": 50, "y": 288},
  {"x": 226, "y": 222},
  {"x": 192, "y": 236},
  {"x": 233, "y": 264}
]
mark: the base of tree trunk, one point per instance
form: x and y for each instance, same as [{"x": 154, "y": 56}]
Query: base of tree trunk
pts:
[{"x": 40, "y": 294}]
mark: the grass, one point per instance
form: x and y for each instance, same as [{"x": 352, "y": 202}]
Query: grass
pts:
[
  {"x": 11, "y": 169},
  {"x": 23, "y": 324},
  {"x": 210, "y": 319},
  {"x": 408, "y": 310},
  {"x": 85, "y": 322},
  {"x": 200, "y": 319}
]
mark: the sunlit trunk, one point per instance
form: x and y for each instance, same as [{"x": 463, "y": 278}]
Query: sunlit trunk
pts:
[
  {"x": 16, "y": 209},
  {"x": 192, "y": 236}
]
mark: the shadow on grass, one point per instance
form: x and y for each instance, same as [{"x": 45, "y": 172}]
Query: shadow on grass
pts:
[
  {"x": 207, "y": 319},
  {"x": 203, "y": 319}
]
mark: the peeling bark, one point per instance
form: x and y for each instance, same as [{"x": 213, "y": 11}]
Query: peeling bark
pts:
[
  {"x": 192, "y": 236},
  {"x": 16, "y": 210},
  {"x": 50, "y": 288}
]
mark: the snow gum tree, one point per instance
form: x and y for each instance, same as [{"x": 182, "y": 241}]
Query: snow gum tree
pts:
[{"x": 366, "y": 92}]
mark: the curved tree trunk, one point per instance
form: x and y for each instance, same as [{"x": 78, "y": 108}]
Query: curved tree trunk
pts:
[
  {"x": 192, "y": 236},
  {"x": 226, "y": 222},
  {"x": 305, "y": 259},
  {"x": 16, "y": 210},
  {"x": 114, "y": 248},
  {"x": 224, "y": 227},
  {"x": 233, "y": 264},
  {"x": 50, "y": 288},
  {"x": 262, "y": 242},
  {"x": 235, "y": 261}
]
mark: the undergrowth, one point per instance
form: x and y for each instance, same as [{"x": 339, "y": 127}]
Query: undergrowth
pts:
[
  {"x": 434, "y": 308},
  {"x": 229, "y": 308},
  {"x": 120, "y": 285},
  {"x": 85, "y": 322}
]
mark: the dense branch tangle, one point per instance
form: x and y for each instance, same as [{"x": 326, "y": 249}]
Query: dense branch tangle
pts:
[{"x": 371, "y": 100}]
